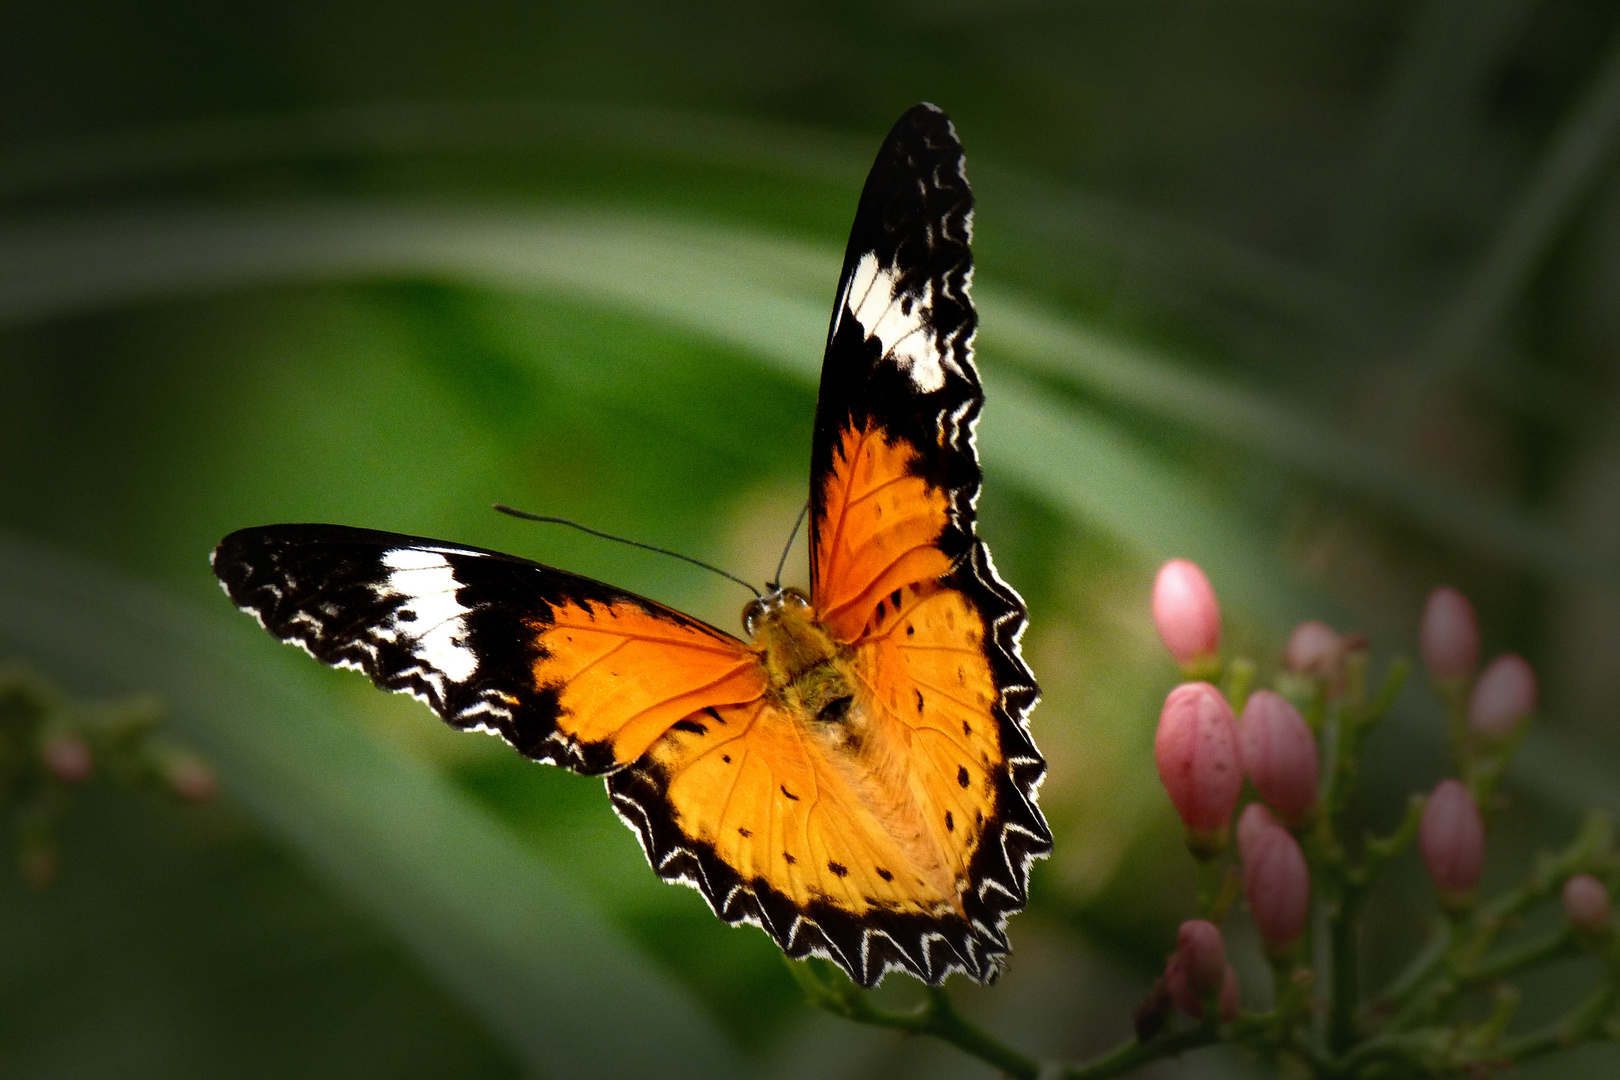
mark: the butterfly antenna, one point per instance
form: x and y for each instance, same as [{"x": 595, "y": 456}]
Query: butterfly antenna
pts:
[
  {"x": 526, "y": 516},
  {"x": 776, "y": 579}
]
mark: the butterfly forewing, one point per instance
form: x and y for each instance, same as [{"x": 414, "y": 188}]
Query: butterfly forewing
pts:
[
  {"x": 568, "y": 670},
  {"x": 897, "y": 568}
]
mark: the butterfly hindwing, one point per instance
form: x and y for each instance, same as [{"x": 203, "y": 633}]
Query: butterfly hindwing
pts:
[
  {"x": 568, "y": 670},
  {"x": 773, "y": 833}
]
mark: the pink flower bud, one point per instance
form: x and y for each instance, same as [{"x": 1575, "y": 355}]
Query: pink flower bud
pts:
[
  {"x": 1279, "y": 754},
  {"x": 1203, "y": 956},
  {"x": 1277, "y": 884},
  {"x": 1197, "y": 754},
  {"x": 68, "y": 757},
  {"x": 1504, "y": 695},
  {"x": 1185, "y": 611},
  {"x": 1252, "y": 825},
  {"x": 1177, "y": 983},
  {"x": 1586, "y": 904},
  {"x": 1452, "y": 838},
  {"x": 1313, "y": 649},
  {"x": 1449, "y": 635}
]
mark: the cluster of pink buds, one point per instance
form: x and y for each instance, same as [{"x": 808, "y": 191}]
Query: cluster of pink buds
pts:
[
  {"x": 1219, "y": 744},
  {"x": 1486, "y": 715},
  {"x": 1505, "y": 694},
  {"x": 49, "y": 746},
  {"x": 1204, "y": 752}
]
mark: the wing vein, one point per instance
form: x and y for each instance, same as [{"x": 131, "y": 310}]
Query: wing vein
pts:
[{"x": 711, "y": 684}]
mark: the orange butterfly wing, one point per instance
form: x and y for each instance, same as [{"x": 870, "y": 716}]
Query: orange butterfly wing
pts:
[
  {"x": 910, "y": 851},
  {"x": 568, "y": 670}
]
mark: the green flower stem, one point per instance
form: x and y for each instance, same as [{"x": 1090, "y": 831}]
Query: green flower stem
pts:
[
  {"x": 1212, "y": 887},
  {"x": 1488, "y": 759},
  {"x": 1554, "y": 945},
  {"x": 1400, "y": 670},
  {"x": 1423, "y": 967},
  {"x": 1381, "y": 849},
  {"x": 1586, "y": 1021},
  {"x": 1342, "y": 885},
  {"x": 1412, "y": 1049},
  {"x": 944, "y": 1022},
  {"x": 1454, "y": 697},
  {"x": 1506, "y": 1004},
  {"x": 1239, "y": 683},
  {"x": 1354, "y": 688},
  {"x": 1131, "y": 1054},
  {"x": 1343, "y": 991},
  {"x": 937, "y": 1016}
]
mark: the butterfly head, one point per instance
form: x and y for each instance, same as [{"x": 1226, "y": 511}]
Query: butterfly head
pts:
[{"x": 774, "y": 606}]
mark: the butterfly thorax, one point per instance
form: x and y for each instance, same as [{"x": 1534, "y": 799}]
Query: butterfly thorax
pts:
[{"x": 802, "y": 658}]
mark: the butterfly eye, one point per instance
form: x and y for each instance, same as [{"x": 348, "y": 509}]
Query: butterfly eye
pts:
[
  {"x": 795, "y": 598},
  {"x": 752, "y": 613}
]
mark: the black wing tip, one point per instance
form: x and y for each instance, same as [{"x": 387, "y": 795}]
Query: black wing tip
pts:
[
  {"x": 924, "y": 126},
  {"x": 241, "y": 555},
  {"x": 257, "y": 538},
  {"x": 923, "y": 115}
]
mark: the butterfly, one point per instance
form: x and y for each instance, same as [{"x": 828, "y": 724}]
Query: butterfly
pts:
[{"x": 856, "y": 777}]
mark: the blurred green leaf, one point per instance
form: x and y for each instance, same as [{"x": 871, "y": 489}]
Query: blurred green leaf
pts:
[{"x": 757, "y": 294}]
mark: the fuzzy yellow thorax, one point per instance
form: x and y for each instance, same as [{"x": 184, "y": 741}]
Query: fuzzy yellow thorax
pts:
[{"x": 802, "y": 660}]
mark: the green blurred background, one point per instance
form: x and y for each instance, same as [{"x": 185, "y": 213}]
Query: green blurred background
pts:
[{"x": 1320, "y": 294}]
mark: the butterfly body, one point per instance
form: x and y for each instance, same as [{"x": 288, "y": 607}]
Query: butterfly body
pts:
[{"x": 857, "y": 778}]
